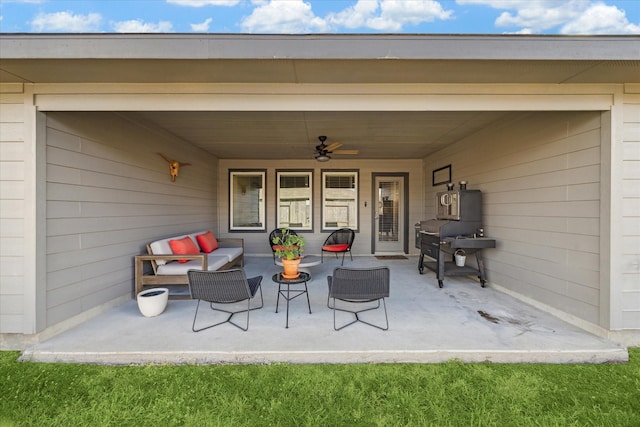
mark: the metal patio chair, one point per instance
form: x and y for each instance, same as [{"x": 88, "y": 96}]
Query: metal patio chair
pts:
[
  {"x": 223, "y": 287},
  {"x": 359, "y": 286},
  {"x": 339, "y": 241}
]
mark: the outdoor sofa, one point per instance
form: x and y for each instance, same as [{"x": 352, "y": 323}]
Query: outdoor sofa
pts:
[{"x": 168, "y": 260}]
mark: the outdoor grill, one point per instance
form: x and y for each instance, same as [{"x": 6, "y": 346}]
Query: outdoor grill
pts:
[{"x": 457, "y": 227}]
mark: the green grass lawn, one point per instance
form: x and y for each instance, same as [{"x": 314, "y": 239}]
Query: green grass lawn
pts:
[{"x": 447, "y": 394}]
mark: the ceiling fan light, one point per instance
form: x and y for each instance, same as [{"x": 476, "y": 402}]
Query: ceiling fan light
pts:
[{"x": 323, "y": 158}]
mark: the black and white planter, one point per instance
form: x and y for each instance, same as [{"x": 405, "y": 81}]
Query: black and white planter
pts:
[{"x": 152, "y": 302}]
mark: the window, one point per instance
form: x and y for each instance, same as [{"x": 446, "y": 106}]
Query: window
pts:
[
  {"x": 339, "y": 200},
  {"x": 295, "y": 199},
  {"x": 247, "y": 200}
]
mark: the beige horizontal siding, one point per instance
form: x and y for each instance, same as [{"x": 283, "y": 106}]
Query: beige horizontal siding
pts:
[
  {"x": 108, "y": 194},
  {"x": 540, "y": 177},
  {"x": 631, "y": 214},
  {"x": 12, "y": 208}
]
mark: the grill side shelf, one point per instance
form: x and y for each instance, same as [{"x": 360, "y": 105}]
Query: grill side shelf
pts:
[{"x": 470, "y": 243}]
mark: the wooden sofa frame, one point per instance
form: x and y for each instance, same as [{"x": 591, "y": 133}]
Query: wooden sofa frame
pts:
[{"x": 151, "y": 278}]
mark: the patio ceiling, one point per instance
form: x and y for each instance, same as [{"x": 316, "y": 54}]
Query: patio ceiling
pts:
[
  {"x": 294, "y": 135},
  {"x": 317, "y": 59}
]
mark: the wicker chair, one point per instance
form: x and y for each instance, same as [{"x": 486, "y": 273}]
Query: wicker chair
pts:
[
  {"x": 277, "y": 233},
  {"x": 223, "y": 287},
  {"x": 359, "y": 286},
  {"x": 339, "y": 241}
]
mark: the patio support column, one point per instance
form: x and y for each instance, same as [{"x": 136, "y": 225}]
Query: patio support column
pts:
[
  {"x": 34, "y": 291},
  {"x": 611, "y": 216}
]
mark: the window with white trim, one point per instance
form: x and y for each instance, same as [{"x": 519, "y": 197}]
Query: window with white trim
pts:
[
  {"x": 247, "y": 200},
  {"x": 294, "y": 199},
  {"x": 339, "y": 200}
]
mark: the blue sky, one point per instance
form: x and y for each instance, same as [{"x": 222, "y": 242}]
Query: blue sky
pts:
[{"x": 322, "y": 16}]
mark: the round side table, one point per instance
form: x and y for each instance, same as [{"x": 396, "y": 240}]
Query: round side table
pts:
[{"x": 288, "y": 294}]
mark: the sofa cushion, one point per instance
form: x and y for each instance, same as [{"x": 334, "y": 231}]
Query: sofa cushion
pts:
[
  {"x": 230, "y": 253},
  {"x": 184, "y": 246},
  {"x": 176, "y": 269},
  {"x": 207, "y": 242},
  {"x": 162, "y": 247}
]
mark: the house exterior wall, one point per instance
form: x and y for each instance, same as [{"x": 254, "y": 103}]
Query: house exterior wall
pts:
[
  {"x": 257, "y": 243},
  {"x": 20, "y": 285},
  {"x": 630, "y": 280},
  {"x": 13, "y": 206},
  {"x": 108, "y": 194},
  {"x": 540, "y": 176}
]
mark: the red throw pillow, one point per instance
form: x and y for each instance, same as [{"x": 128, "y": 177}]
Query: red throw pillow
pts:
[
  {"x": 208, "y": 242},
  {"x": 184, "y": 246}
]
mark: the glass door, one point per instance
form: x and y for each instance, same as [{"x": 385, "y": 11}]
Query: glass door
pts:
[{"x": 389, "y": 215}]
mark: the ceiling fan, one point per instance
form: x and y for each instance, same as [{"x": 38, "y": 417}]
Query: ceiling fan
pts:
[{"x": 323, "y": 150}]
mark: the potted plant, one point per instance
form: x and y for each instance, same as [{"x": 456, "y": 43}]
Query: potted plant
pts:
[{"x": 289, "y": 247}]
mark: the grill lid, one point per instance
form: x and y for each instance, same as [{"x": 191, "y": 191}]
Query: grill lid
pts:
[{"x": 432, "y": 226}]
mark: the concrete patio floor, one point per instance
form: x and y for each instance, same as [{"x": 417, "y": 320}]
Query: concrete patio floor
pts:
[{"x": 461, "y": 321}]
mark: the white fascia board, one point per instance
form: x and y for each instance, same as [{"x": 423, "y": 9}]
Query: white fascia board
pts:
[{"x": 320, "y": 102}]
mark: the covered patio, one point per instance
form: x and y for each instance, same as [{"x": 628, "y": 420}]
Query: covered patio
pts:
[
  {"x": 461, "y": 321},
  {"x": 545, "y": 127}
]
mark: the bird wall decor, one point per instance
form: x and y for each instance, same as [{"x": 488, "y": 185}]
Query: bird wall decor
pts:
[{"x": 174, "y": 166}]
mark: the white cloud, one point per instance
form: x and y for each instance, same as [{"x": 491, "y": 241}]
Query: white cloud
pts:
[
  {"x": 66, "y": 22},
  {"x": 296, "y": 16},
  {"x": 138, "y": 26},
  {"x": 202, "y": 27},
  {"x": 200, "y": 3},
  {"x": 525, "y": 31},
  {"x": 395, "y": 14},
  {"x": 601, "y": 19},
  {"x": 571, "y": 16},
  {"x": 388, "y": 15},
  {"x": 355, "y": 16},
  {"x": 283, "y": 16},
  {"x": 542, "y": 15}
]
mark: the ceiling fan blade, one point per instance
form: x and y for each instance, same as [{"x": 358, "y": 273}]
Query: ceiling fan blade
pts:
[
  {"x": 346, "y": 151},
  {"x": 333, "y": 146}
]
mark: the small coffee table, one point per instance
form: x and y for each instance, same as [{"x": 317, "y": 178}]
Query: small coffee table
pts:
[{"x": 302, "y": 279}]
